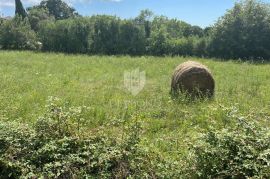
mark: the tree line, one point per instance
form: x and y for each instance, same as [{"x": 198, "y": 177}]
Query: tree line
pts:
[{"x": 243, "y": 32}]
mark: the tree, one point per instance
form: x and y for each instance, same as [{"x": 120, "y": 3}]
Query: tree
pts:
[
  {"x": 57, "y": 8},
  {"x": 158, "y": 43},
  {"x": 19, "y": 10},
  {"x": 243, "y": 32},
  {"x": 175, "y": 28},
  {"x": 132, "y": 38},
  {"x": 207, "y": 31},
  {"x": 37, "y": 16},
  {"x": 70, "y": 35},
  {"x": 105, "y": 35},
  {"x": 196, "y": 31},
  {"x": 145, "y": 19},
  {"x": 1, "y": 21}
]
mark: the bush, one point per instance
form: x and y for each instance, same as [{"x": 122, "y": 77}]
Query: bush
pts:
[
  {"x": 17, "y": 34},
  {"x": 54, "y": 149},
  {"x": 58, "y": 145},
  {"x": 183, "y": 46},
  {"x": 240, "y": 152}
]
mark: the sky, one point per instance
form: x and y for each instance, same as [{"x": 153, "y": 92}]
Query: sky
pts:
[{"x": 196, "y": 12}]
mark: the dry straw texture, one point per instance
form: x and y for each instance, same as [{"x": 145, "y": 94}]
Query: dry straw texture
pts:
[{"x": 194, "y": 79}]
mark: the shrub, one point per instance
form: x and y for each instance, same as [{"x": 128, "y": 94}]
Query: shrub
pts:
[
  {"x": 240, "y": 152},
  {"x": 17, "y": 34},
  {"x": 182, "y": 46},
  {"x": 52, "y": 149},
  {"x": 56, "y": 147}
]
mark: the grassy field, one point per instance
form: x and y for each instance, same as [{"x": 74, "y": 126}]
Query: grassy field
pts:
[{"x": 97, "y": 82}]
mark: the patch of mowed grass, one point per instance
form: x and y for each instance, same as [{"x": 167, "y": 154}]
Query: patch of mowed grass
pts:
[{"x": 97, "y": 82}]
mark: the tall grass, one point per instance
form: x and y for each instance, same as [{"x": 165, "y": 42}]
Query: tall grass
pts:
[{"x": 27, "y": 79}]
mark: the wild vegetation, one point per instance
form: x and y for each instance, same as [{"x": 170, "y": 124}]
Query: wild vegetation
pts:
[
  {"x": 66, "y": 111},
  {"x": 94, "y": 126},
  {"x": 243, "y": 32}
]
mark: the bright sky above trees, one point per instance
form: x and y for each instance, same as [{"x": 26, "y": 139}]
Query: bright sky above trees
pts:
[{"x": 196, "y": 12}]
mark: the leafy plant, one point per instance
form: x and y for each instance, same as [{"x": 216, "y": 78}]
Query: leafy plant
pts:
[
  {"x": 53, "y": 150},
  {"x": 239, "y": 152},
  {"x": 19, "y": 10},
  {"x": 17, "y": 34},
  {"x": 242, "y": 32}
]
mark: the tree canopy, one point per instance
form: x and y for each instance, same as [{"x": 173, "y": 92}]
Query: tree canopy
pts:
[
  {"x": 243, "y": 32},
  {"x": 57, "y": 8},
  {"x": 19, "y": 9}
]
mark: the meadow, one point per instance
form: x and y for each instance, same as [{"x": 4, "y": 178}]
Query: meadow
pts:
[{"x": 29, "y": 79}]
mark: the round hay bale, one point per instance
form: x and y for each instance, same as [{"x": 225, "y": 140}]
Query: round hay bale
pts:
[{"x": 194, "y": 79}]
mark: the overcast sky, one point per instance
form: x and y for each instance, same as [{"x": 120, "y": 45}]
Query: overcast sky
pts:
[{"x": 196, "y": 12}]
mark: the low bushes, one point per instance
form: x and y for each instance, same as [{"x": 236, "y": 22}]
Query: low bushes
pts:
[
  {"x": 59, "y": 146},
  {"x": 53, "y": 148},
  {"x": 239, "y": 152}
]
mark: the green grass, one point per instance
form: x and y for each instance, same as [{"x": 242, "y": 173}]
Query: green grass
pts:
[{"x": 28, "y": 79}]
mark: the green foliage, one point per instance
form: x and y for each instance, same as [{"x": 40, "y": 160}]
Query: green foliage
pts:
[
  {"x": 17, "y": 34},
  {"x": 57, "y": 8},
  {"x": 55, "y": 148},
  {"x": 201, "y": 46},
  {"x": 143, "y": 136},
  {"x": 1, "y": 20},
  {"x": 243, "y": 32},
  {"x": 69, "y": 36},
  {"x": 238, "y": 152},
  {"x": 105, "y": 37},
  {"x": 132, "y": 38},
  {"x": 19, "y": 10},
  {"x": 158, "y": 42},
  {"x": 183, "y": 46},
  {"x": 144, "y": 19},
  {"x": 58, "y": 120},
  {"x": 189, "y": 46},
  {"x": 52, "y": 149},
  {"x": 95, "y": 35},
  {"x": 37, "y": 16}
]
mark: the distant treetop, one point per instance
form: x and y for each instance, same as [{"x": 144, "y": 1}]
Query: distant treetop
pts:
[
  {"x": 19, "y": 10},
  {"x": 57, "y": 8}
]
